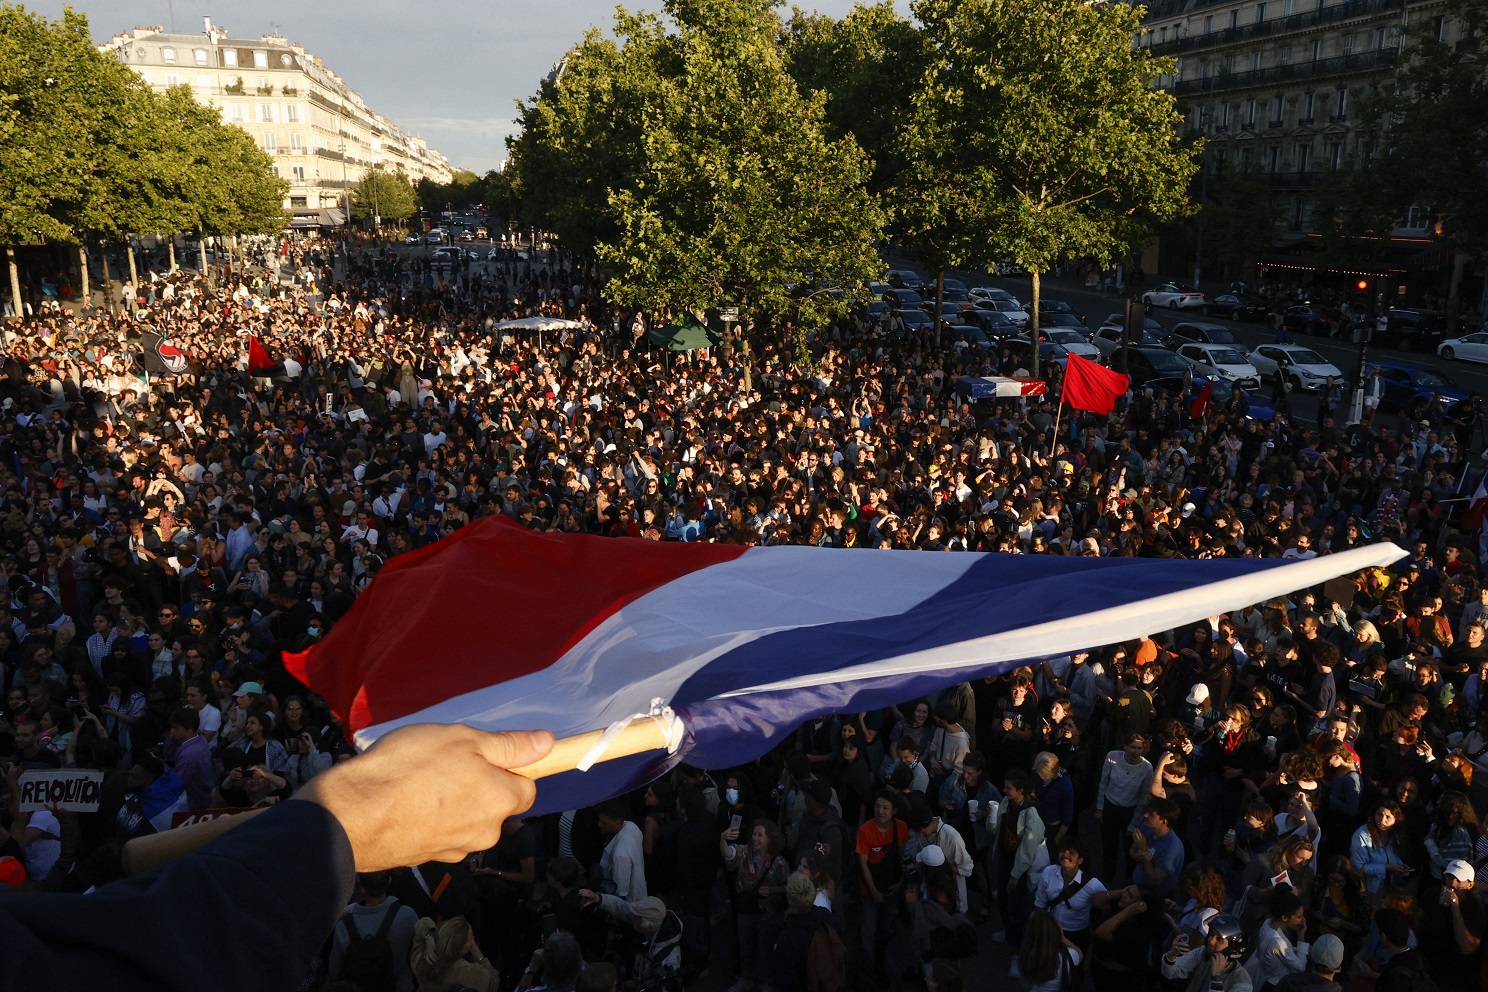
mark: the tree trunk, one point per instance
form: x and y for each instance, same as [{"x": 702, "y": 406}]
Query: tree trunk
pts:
[
  {"x": 133, "y": 271},
  {"x": 108, "y": 278},
  {"x": 745, "y": 362},
  {"x": 1033, "y": 325},
  {"x": 940, "y": 342},
  {"x": 1459, "y": 262},
  {"x": 15, "y": 287},
  {"x": 83, "y": 285},
  {"x": 171, "y": 250}
]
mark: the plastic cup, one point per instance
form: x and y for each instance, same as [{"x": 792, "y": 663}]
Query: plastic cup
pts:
[{"x": 972, "y": 806}]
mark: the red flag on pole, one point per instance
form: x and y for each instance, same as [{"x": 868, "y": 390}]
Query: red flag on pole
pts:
[
  {"x": 258, "y": 355},
  {"x": 1089, "y": 387},
  {"x": 1201, "y": 402},
  {"x": 1472, "y": 518}
]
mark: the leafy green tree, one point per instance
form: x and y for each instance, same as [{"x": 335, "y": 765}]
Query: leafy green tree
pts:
[
  {"x": 1035, "y": 138},
  {"x": 740, "y": 199},
  {"x": 45, "y": 115},
  {"x": 389, "y": 194},
  {"x": 1241, "y": 221},
  {"x": 1425, "y": 134},
  {"x": 582, "y": 134},
  {"x": 867, "y": 64}
]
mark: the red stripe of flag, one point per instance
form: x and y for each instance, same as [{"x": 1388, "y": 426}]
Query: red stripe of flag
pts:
[{"x": 492, "y": 602}]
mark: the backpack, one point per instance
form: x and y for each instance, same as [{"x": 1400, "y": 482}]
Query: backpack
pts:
[
  {"x": 826, "y": 961},
  {"x": 368, "y": 961}
]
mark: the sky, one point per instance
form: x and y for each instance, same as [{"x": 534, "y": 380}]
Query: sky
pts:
[{"x": 449, "y": 71}]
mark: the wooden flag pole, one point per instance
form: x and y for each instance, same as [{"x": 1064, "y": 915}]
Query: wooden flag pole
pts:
[
  {"x": 143, "y": 854},
  {"x": 1055, "y": 439}
]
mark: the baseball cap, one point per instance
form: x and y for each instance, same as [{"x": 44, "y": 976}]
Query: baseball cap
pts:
[
  {"x": 1327, "y": 952},
  {"x": 931, "y": 857},
  {"x": 1198, "y": 694},
  {"x": 1460, "y": 870},
  {"x": 249, "y": 689}
]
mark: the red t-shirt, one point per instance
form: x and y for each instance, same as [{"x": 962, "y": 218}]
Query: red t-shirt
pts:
[{"x": 876, "y": 843}]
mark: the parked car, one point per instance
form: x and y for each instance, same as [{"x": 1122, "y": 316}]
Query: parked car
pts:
[
  {"x": 1305, "y": 368},
  {"x": 993, "y": 322},
  {"x": 991, "y": 294},
  {"x": 1107, "y": 337},
  {"x": 1048, "y": 308},
  {"x": 948, "y": 311},
  {"x": 1470, "y": 348},
  {"x": 914, "y": 318},
  {"x": 903, "y": 299},
  {"x": 1067, "y": 320},
  {"x": 1417, "y": 392},
  {"x": 1411, "y": 330},
  {"x": 977, "y": 336},
  {"x": 1014, "y": 311},
  {"x": 1307, "y": 318},
  {"x": 1223, "y": 361},
  {"x": 905, "y": 279},
  {"x": 1174, "y": 296},
  {"x": 1072, "y": 340},
  {"x": 1256, "y": 407},
  {"x": 1197, "y": 333},
  {"x": 1237, "y": 306},
  {"x": 1049, "y": 351},
  {"x": 1144, "y": 363}
]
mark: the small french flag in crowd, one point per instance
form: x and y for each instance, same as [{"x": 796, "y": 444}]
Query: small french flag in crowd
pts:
[{"x": 500, "y": 627}]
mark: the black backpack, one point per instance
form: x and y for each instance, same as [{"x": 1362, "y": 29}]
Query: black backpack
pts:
[{"x": 368, "y": 961}]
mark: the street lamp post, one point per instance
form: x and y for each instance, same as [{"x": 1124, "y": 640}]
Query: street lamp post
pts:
[{"x": 1356, "y": 403}]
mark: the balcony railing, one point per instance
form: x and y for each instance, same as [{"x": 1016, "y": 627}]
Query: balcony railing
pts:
[
  {"x": 1351, "y": 10},
  {"x": 1341, "y": 65}
]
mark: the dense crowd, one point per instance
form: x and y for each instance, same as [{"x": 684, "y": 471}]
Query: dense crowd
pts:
[{"x": 1282, "y": 797}]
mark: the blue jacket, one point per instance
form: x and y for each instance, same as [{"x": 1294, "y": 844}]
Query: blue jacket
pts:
[{"x": 246, "y": 913}]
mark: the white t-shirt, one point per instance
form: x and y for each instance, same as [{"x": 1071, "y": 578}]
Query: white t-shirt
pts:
[
  {"x": 42, "y": 853},
  {"x": 211, "y": 719}
]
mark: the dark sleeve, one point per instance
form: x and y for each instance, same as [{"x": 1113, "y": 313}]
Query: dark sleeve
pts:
[{"x": 248, "y": 912}]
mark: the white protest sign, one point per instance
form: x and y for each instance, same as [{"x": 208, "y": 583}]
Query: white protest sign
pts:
[{"x": 73, "y": 789}]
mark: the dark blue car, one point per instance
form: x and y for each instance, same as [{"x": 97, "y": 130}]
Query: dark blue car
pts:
[
  {"x": 1256, "y": 407},
  {"x": 1416, "y": 392}
]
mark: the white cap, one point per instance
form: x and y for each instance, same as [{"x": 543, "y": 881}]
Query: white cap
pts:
[
  {"x": 1460, "y": 870},
  {"x": 1198, "y": 694},
  {"x": 934, "y": 857}
]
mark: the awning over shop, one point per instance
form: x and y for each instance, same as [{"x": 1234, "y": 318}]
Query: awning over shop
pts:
[
  {"x": 1369, "y": 257},
  {"x": 329, "y": 217}
]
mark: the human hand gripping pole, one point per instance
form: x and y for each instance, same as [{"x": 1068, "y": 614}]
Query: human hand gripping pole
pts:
[{"x": 395, "y": 815}]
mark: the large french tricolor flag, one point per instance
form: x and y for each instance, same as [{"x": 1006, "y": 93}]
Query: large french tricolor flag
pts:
[{"x": 500, "y": 627}]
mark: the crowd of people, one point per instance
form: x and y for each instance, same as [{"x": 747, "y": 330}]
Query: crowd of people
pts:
[{"x": 1283, "y": 796}]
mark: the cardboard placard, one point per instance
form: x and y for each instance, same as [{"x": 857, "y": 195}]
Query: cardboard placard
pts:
[
  {"x": 186, "y": 817},
  {"x": 76, "y": 790}
]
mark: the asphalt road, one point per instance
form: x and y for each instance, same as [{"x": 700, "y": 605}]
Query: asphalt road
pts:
[{"x": 1096, "y": 306}]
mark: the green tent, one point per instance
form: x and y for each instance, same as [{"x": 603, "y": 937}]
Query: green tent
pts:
[{"x": 690, "y": 335}]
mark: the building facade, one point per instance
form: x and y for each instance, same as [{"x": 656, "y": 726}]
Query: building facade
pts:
[
  {"x": 320, "y": 133},
  {"x": 1271, "y": 84}
]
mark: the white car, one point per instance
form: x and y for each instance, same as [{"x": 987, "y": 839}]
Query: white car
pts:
[
  {"x": 1305, "y": 368},
  {"x": 1014, "y": 310},
  {"x": 1074, "y": 342},
  {"x": 1174, "y": 296},
  {"x": 991, "y": 294},
  {"x": 1472, "y": 348},
  {"x": 1223, "y": 360}
]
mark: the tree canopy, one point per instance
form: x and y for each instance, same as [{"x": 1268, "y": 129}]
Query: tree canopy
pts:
[
  {"x": 697, "y": 169},
  {"x": 93, "y": 151},
  {"x": 386, "y": 194},
  {"x": 1034, "y": 139}
]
